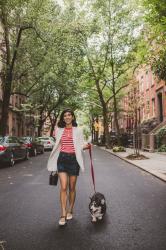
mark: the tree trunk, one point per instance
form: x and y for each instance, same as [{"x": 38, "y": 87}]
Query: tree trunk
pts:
[
  {"x": 106, "y": 130},
  {"x": 114, "y": 98},
  {"x": 116, "y": 120},
  {"x": 10, "y": 62},
  {"x": 40, "y": 125},
  {"x": 8, "y": 74},
  {"x": 53, "y": 123},
  {"x": 5, "y": 104},
  {"x": 92, "y": 129},
  {"x": 105, "y": 115}
]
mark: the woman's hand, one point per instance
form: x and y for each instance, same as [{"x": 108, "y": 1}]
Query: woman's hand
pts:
[{"x": 87, "y": 146}]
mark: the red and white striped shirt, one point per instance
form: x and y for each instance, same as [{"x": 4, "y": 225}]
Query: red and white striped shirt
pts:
[{"x": 67, "y": 144}]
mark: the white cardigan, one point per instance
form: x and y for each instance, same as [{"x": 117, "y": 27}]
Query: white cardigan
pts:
[{"x": 78, "y": 141}]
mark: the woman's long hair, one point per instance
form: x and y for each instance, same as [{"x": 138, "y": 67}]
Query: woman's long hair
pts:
[{"x": 62, "y": 124}]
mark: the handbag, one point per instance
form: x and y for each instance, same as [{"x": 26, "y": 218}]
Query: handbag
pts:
[{"x": 53, "y": 179}]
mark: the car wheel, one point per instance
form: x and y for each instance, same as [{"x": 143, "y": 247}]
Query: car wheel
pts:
[
  {"x": 11, "y": 163},
  {"x": 34, "y": 152},
  {"x": 27, "y": 155},
  {"x": 42, "y": 151}
]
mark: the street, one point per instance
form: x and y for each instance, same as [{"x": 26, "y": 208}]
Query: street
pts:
[{"x": 30, "y": 210}]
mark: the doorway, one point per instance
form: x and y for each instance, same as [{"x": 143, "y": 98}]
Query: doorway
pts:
[{"x": 160, "y": 107}]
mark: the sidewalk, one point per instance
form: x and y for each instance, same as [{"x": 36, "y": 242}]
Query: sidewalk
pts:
[{"x": 155, "y": 165}]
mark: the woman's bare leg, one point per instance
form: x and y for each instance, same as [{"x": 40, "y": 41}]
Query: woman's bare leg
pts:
[
  {"x": 72, "y": 192},
  {"x": 63, "y": 192}
]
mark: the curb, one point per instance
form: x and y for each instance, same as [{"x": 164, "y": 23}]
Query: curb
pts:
[{"x": 158, "y": 175}]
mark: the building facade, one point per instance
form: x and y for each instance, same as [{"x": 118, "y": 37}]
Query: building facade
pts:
[
  {"x": 147, "y": 98},
  {"x": 20, "y": 122},
  {"x": 153, "y": 93}
]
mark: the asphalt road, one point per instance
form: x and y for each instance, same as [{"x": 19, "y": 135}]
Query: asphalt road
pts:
[{"x": 29, "y": 208}]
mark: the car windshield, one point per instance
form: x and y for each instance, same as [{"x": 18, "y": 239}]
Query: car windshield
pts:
[
  {"x": 44, "y": 138},
  {"x": 24, "y": 139}
]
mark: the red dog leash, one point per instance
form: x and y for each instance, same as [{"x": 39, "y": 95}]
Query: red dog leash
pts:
[{"x": 92, "y": 168}]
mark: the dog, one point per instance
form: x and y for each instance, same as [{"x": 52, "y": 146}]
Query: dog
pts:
[{"x": 97, "y": 207}]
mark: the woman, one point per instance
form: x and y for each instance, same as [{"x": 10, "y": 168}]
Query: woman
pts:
[{"x": 66, "y": 158}]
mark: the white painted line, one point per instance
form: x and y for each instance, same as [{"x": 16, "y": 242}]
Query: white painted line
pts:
[{"x": 27, "y": 174}]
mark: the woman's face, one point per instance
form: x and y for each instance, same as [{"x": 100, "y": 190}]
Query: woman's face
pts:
[{"x": 68, "y": 118}]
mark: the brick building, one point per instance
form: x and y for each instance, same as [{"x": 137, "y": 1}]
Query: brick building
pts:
[
  {"x": 20, "y": 123},
  {"x": 150, "y": 96},
  {"x": 153, "y": 93}
]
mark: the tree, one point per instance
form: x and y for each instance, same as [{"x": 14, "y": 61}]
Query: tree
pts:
[
  {"x": 18, "y": 18},
  {"x": 109, "y": 41},
  {"x": 155, "y": 16},
  {"x": 48, "y": 57}
]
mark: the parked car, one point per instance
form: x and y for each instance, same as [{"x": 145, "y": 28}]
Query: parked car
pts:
[
  {"x": 48, "y": 142},
  {"x": 34, "y": 145},
  {"x": 11, "y": 150}
]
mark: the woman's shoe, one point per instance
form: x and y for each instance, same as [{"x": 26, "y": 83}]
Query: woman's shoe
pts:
[
  {"x": 69, "y": 216},
  {"x": 62, "y": 221}
]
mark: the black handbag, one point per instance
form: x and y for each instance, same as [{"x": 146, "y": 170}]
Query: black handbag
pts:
[{"x": 53, "y": 180}]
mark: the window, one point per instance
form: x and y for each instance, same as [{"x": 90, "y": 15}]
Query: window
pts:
[
  {"x": 147, "y": 80},
  {"x": 143, "y": 113},
  {"x": 147, "y": 106}
]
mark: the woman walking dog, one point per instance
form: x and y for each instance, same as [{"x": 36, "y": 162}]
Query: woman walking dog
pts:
[{"x": 66, "y": 158}]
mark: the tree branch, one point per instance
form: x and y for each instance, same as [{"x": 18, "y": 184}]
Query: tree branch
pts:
[
  {"x": 22, "y": 28},
  {"x": 6, "y": 35},
  {"x": 18, "y": 93},
  {"x": 122, "y": 87},
  {"x": 109, "y": 39}
]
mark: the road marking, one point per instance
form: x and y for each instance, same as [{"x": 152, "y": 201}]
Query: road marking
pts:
[{"x": 27, "y": 174}]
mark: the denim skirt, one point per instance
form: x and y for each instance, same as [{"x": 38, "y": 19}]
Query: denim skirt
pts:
[{"x": 68, "y": 163}]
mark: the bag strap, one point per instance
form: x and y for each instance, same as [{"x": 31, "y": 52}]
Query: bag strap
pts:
[{"x": 92, "y": 168}]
